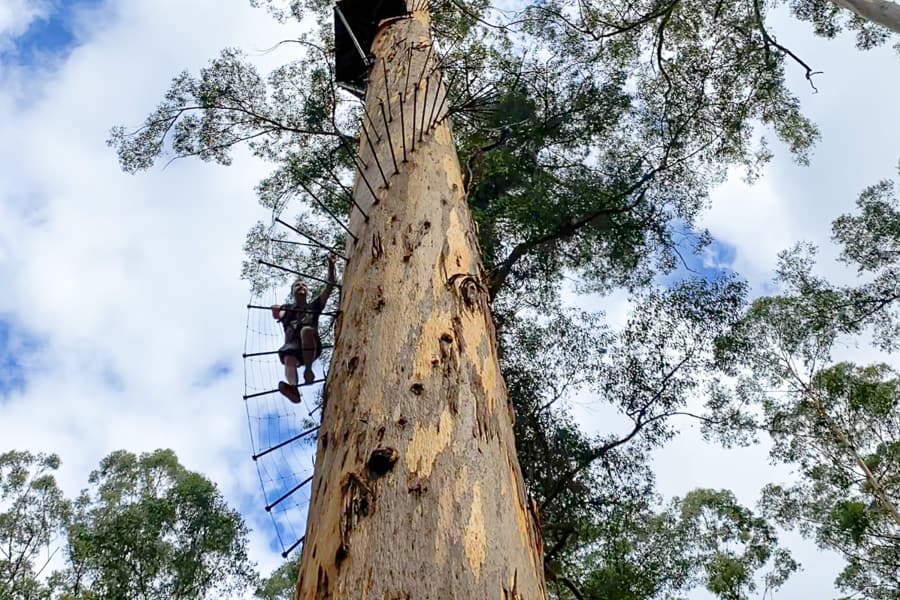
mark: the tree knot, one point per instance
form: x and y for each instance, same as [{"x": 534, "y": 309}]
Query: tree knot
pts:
[
  {"x": 470, "y": 289},
  {"x": 381, "y": 461}
]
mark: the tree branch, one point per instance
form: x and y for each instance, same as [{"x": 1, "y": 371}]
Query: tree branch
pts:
[
  {"x": 640, "y": 422},
  {"x": 617, "y": 28},
  {"x": 570, "y": 585},
  {"x": 565, "y": 230},
  {"x": 770, "y": 41}
]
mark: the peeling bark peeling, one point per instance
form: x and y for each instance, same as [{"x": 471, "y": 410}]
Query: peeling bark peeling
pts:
[{"x": 417, "y": 492}]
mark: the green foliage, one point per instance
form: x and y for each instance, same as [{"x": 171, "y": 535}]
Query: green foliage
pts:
[
  {"x": 32, "y": 515},
  {"x": 732, "y": 545},
  {"x": 638, "y": 554},
  {"x": 843, "y": 433},
  {"x": 706, "y": 539},
  {"x": 148, "y": 528},
  {"x": 282, "y": 582},
  {"x": 609, "y": 147},
  {"x": 871, "y": 242},
  {"x": 602, "y": 531}
]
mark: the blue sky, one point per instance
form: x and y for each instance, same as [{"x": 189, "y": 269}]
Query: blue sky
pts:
[
  {"x": 19, "y": 351},
  {"x": 217, "y": 370},
  {"x": 710, "y": 262},
  {"x": 51, "y": 36}
]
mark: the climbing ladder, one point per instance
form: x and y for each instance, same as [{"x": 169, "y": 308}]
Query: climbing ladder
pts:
[{"x": 283, "y": 435}]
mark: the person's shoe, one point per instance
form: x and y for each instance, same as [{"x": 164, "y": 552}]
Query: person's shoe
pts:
[
  {"x": 289, "y": 391},
  {"x": 309, "y": 376}
]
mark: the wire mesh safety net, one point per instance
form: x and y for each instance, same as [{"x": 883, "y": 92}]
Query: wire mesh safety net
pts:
[{"x": 283, "y": 435}]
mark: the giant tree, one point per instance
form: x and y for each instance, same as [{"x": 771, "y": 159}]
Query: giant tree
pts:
[
  {"x": 589, "y": 136},
  {"x": 881, "y": 12}
]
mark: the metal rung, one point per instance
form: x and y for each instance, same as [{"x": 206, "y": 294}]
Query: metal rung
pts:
[
  {"x": 294, "y": 545},
  {"x": 285, "y": 442},
  {"x": 309, "y": 312},
  {"x": 276, "y": 390},
  {"x": 298, "y": 273},
  {"x": 252, "y": 354},
  {"x": 258, "y": 394},
  {"x": 312, "y": 239},
  {"x": 287, "y": 495}
]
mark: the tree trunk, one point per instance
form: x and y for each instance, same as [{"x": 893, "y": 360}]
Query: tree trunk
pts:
[
  {"x": 882, "y": 12},
  {"x": 417, "y": 492}
]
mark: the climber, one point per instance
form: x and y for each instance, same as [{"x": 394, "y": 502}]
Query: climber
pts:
[{"x": 301, "y": 333}]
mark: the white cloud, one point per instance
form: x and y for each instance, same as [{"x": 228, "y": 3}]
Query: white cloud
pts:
[
  {"x": 17, "y": 15},
  {"x": 857, "y": 115},
  {"x": 132, "y": 281}
]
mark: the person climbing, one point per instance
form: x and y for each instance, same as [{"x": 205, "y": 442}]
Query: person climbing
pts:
[{"x": 301, "y": 333}]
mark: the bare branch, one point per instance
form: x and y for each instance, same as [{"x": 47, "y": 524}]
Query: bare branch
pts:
[{"x": 770, "y": 41}]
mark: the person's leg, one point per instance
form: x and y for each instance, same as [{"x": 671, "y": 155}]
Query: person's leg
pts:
[
  {"x": 290, "y": 369},
  {"x": 289, "y": 389},
  {"x": 309, "y": 344}
]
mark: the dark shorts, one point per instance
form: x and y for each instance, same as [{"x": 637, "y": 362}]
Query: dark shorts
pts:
[{"x": 292, "y": 348}]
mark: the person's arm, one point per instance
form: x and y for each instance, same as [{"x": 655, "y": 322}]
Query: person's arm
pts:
[
  {"x": 278, "y": 311},
  {"x": 323, "y": 297}
]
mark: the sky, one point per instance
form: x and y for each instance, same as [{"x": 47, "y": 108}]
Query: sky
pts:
[{"x": 122, "y": 315}]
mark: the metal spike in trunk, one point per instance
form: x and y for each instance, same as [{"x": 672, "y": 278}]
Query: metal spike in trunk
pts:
[{"x": 417, "y": 491}]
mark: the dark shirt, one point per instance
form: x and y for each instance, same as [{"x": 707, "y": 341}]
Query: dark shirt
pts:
[{"x": 297, "y": 316}]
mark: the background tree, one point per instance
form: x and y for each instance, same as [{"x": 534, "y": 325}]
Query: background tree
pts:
[
  {"x": 704, "y": 539},
  {"x": 281, "y": 583},
  {"x": 600, "y": 512},
  {"x": 147, "y": 528},
  {"x": 32, "y": 515},
  {"x": 837, "y": 423}
]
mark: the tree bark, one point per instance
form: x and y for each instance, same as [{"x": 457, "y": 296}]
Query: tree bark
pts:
[
  {"x": 882, "y": 12},
  {"x": 417, "y": 492}
]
